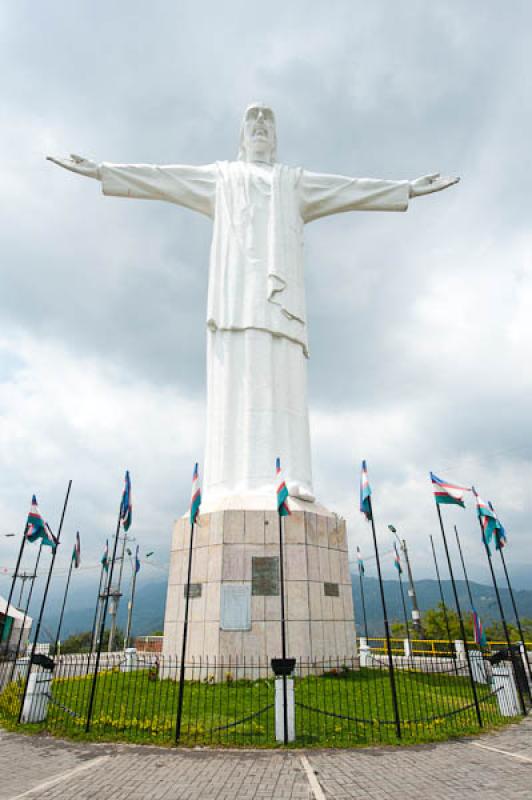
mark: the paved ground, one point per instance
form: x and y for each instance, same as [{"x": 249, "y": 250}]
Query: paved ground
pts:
[{"x": 492, "y": 766}]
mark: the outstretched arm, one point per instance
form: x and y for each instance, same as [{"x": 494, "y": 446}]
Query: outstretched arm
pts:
[
  {"x": 190, "y": 186},
  {"x": 323, "y": 194}
]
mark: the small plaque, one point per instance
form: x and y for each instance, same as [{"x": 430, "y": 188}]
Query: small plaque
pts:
[
  {"x": 235, "y": 607},
  {"x": 194, "y": 590},
  {"x": 264, "y": 576},
  {"x": 331, "y": 590}
]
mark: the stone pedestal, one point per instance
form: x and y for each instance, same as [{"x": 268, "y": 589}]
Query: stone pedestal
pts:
[{"x": 234, "y": 609}]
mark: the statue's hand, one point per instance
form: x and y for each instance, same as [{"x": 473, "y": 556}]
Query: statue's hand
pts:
[
  {"x": 430, "y": 183},
  {"x": 83, "y": 166}
]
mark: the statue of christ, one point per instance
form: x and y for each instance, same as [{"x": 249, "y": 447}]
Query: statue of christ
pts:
[{"x": 257, "y": 345}]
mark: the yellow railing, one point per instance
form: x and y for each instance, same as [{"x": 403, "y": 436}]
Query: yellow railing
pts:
[{"x": 427, "y": 647}]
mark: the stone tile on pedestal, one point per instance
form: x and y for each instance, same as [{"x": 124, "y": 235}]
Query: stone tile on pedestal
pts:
[
  {"x": 297, "y": 605},
  {"x": 214, "y": 565},
  {"x": 254, "y": 527},
  {"x": 234, "y": 527},
  {"x": 233, "y": 562},
  {"x": 294, "y": 528},
  {"x": 295, "y": 558},
  {"x": 298, "y": 639},
  {"x": 325, "y": 570}
]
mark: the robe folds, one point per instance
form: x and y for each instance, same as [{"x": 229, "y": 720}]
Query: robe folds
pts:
[{"x": 257, "y": 343}]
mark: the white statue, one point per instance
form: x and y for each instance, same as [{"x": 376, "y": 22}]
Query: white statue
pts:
[{"x": 256, "y": 320}]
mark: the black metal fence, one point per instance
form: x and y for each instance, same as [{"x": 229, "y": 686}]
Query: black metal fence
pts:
[{"x": 230, "y": 702}]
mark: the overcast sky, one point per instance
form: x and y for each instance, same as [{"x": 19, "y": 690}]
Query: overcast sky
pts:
[{"x": 419, "y": 323}]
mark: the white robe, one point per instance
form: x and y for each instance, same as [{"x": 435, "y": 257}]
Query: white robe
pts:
[{"x": 257, "y": 344}]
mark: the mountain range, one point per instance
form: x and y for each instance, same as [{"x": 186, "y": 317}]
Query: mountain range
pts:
[{"x": 151, "y": 597}]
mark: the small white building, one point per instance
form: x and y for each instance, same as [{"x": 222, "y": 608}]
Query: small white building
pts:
[{"x": 13, "y": 626}]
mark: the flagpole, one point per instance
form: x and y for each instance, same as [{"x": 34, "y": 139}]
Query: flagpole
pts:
[
  {"x": 43, "y": 603},
  {"x": 11, "y": 590},
  {"x": 283, "y": 631},
  {"x": 97, "y": 608},
  {"x": 28, "y": 600},
  {"x": 95, "y": 620},
  {"x": 464, "y": 569},
  {"x": 460, "y": 619},
  {"x": 517, "y": 618},
  {"x": 116, "y": 597},
  {"x": 130, "y": 604},
  {"x": 503, "y": 617},
  {"x": 101, "y": 623},
  {"x": 386, "y": 625},
  {"x": 442, "y": 600},
  {"x": 416, "y": 616},
  {"x": 405, "y": 614},
  {"x": 361, "y": 578},
  {"x": 63, "y": 608},
  {"x": 184, "y": 642}
]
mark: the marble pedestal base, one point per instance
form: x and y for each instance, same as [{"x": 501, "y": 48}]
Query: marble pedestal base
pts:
[{"x": 234, "y": 607}]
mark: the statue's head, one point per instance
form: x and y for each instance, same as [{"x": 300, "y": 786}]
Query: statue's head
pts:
[{"x": 258, "y": 139}]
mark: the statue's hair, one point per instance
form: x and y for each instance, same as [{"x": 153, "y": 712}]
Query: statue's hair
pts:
[{"x": 242, "y": 153}]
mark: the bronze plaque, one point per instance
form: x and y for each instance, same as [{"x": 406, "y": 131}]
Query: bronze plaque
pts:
[
  {"x": 331, "y": 590},
  {"x": 195, "y": 590},
  {"x": 265, "y": 575}
]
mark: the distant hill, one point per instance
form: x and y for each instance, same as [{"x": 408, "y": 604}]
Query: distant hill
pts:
[
  {"x": 148, "y": 613},
  {"x": 428, "y": 596}
]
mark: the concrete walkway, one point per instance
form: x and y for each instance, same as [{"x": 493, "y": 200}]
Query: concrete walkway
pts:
[{"x": 490, "y": 767}]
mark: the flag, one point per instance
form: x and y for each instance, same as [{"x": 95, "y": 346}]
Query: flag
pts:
[
  {"x": 195, "y": 499},
  {"x": 137, "y": 562},
  {"x": 76, "y": 552},
  {"x": 125, "y": 504},
  {"x": 104, "y": 561},
  {"x": 397, "y": 560},
  {"x": 361, "y": 569},
  {"x": 282, "y": 492},
  {"x": 499, "y": 532},
  {"x": 37, "y": 528},
  {"x": 447, "y": 492},
  {"x": 478, "y": 631},
  {"x": 365, "y": 493},
  {"x": 35, "y": 523},
  {"x": 48, "y": 537},
  {"x": 487, "y": 518}
]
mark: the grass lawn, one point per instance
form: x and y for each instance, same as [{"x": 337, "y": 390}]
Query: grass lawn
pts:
[{"x": 342, "y": 709}]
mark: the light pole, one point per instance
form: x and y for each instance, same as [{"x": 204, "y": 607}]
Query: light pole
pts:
[
  {"x": 416, "y": 616},
  {"x": 115, "y": 594}
]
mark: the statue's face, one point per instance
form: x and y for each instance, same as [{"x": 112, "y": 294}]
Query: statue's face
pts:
[{"x": 259, "y": 130}]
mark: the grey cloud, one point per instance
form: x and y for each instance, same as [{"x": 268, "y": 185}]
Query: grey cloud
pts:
[{"x": 358, "y": 88}]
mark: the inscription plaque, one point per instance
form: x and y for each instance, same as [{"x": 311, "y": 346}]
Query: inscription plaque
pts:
[
  {"x": 235, "y": 607},
  {"x": 194, "y": 590},
  {"x": 331, "y": 590},
  {"x": 265, "y": 576}
]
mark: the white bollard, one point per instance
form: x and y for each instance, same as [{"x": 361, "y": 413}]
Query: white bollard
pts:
[
  {"x": 364, "y": 652},
  {"x": 407, "y": 647},
  {"x": 504, "y": 685},
  {"x": 131, "y": 660},
  {"x": 37, "y": 697},
  {"x": 279, "y": 710},
  {"x": 478, "y": 666},
  {"x": 459, "y": 648}
]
